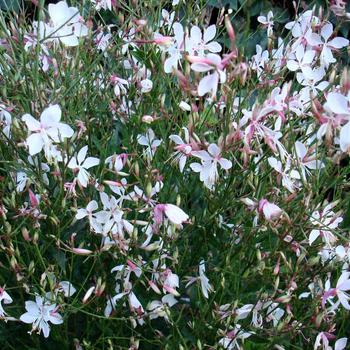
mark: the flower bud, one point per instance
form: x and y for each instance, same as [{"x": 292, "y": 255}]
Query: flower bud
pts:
[
  {"x": 148, "y": 119},
  {"x": 88, "y": 294}
]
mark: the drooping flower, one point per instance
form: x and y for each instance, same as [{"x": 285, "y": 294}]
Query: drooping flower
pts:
[{"x": 176, "y": 215}]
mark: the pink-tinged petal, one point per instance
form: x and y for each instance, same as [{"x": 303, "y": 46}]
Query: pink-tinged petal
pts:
[
  {"x": 271, "y": 211},
  {"x": 32, "y": 124},
  {"x": 82, "y": 251},
  {"x": 225, "y": 163},
  {"x": 51, "y": 116},
  {"x": 175, "y": 214},
  {"x": 344, "y": 137},
  {"x": 337, "y": 103},
  {"x": 208, "y": 83},
  {"x": 134, "y": 302},
  {"x": 338, "y": 42},
  {"x": 35, "y": 143},
  {"x": 82, "y": 154},
  {"x": 209, "y": 33},
  {"x": 313, "y": 236},
  {"x": 214, "y": 58},
  {"x": 80, "y": 29},
  {"x": 90, "y": 162},
  {"x": 327, "y": 31}
]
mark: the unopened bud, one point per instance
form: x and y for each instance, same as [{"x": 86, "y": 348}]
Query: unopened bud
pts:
[
  {"x": 88, "y": 294},
  {"x": 148, "y": 119},
  {"x": 284, "y": 299}
]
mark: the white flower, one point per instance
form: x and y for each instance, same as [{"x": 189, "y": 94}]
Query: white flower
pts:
[
  {"x": 199, "y": 43},
  {"x": 82, "y": 213},
  {"x": 268, "y": 22},
  {"x": 269, "y": 210},
  {"x": 112, "y": 216},
  {"x": 66, "y": 288},
  {"x": 175, "y": 51},
  {"x": 183, "y": 149},
  {"x": 40, "y": 313},
  {"x": 146, "y": 85},
  {"x": 325, "y": 221},
  {"x": 67, "y": 23},
  {"x": 288, "y": 176},
  {"x": 209, "y": 83},
  {"x": 150, "y": 142},
  {"x": 46, "y": 131},
  {"x": 326, "y": 55},
  {"x": 208, "y": 168},
  {"x": 102, "y": 41},
  {"x": 344, "y": 138},
  {"x": 338, "y": 104},
  {"x": 102, "y": 4},
  {"x": 80, "y": 164},
  {"x": 158, "y": 308},
  {"x": 306, "y": 160},
  {"x": 175, "y": 214},
  {"x": 203, "y": 279},
  {"x": 303, "y": 61},
  {"x": 5, "y": 121},
  {"x": 6, "y": 299}
]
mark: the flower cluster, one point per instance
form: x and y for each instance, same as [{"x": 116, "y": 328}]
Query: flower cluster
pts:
[{"x": 159, "y": 182}]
